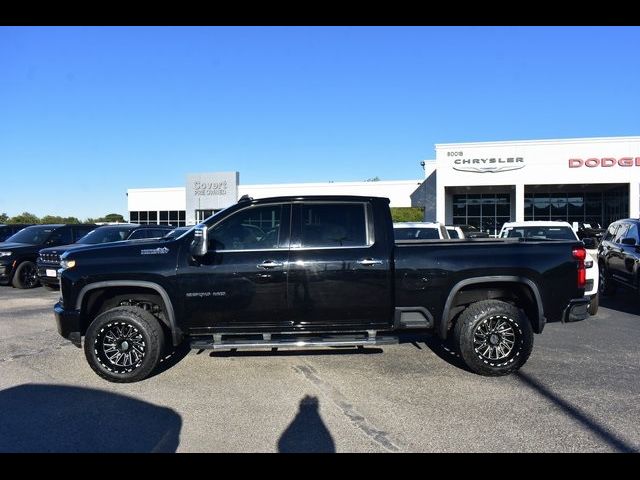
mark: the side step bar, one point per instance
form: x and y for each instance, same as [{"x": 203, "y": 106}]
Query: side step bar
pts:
[{"x": 219, "y": 342}]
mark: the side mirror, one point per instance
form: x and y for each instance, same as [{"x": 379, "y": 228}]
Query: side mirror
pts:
[
  {"x": 199, "y": 242},
  {"x": 629, "y": 241},
  {"x": 589, "y": 243}
]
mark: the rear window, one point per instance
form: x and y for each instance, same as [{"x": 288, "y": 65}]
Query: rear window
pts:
[
  {"x": 422, "y": 233},
  {"x": 541, "y": 233},
  {"x": 334, "y": 225}
]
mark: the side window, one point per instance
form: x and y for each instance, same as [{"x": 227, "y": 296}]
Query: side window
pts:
[
  {"x": 452, "y": 233},
  {"x": 633, "y": 232},
  {"x": 254, "y": 228},
  {"x": 154, "y": 233},
  {"x": 621, "y": 233},
  {"x": 334, "y": 225},
  {"x": 61, "y": 236},
  {"x": 141, "y": 233},
  {"x": 611, "y": 232},
  {"x": 79, "y": 232}
]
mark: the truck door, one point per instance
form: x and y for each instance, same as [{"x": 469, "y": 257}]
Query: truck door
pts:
[
  {"x": 241, "y": 281},
  {"x": 339, "y": 272},
  {"x": 630, "y": 255},
  {"x": 616, "y": 254}
]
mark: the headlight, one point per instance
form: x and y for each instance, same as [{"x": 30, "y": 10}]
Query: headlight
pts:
[
  {"x": 5, "y": 254},
  {"x": 67, "y": 264}
]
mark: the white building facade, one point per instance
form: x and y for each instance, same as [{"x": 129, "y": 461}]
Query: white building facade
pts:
[
  {"x": 207, "y": 193},
  {"x": 484, "y": 184},
  {"x": 594, "y": 180}
]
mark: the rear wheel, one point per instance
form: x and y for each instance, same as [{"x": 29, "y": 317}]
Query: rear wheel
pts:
[
  {"x": 493, "y": 338},
  {"x": 124, "y": 344},
  {"x": 605, "y": 285},
  {"x": 26, "y": 276},
  {"x": 594, "y": 304}
]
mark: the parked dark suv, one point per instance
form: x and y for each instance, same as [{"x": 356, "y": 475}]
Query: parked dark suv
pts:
[
  {"x": 7, "y": 230},
  {"x": 619, "y": 256},
  {"x": 19, "y": 252},
  {"x": 49, "y": 258}
]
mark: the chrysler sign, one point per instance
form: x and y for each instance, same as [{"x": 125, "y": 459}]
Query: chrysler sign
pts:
[{"x": 489, "y": 164}]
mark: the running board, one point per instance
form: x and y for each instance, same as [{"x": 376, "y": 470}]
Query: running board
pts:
[{"x": 219, "y": 342}]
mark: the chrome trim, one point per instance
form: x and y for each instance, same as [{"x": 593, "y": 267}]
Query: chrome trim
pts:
[{"x": 225, "y": 344}]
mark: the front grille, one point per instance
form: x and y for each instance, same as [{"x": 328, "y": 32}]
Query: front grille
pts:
[{"x": 52, "y": 258}]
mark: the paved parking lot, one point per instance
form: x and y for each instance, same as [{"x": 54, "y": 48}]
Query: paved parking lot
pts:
[{"x": 578, "y": 393}]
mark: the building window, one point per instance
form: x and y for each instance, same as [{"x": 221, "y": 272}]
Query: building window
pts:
[{"x": 487, "y": 212}]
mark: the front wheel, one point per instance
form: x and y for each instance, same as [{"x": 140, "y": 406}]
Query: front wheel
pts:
[
  {"x": 124, "y": 344},
  {"x": 493, "y": 338},
  {"x": 26, "y": 276}
]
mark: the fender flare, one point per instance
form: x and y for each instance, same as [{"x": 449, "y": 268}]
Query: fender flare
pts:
[
  {"x": 176, "y": 333},
  {"x": 539, "y": 322}
]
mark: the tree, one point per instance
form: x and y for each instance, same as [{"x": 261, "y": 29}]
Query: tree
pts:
[
  {"x": 374, "y": 179},
  {"x": 24, "y": 217},
  {"x": 52, "y": 219},
  {"x": 407, "y": 214},
  {"x": 113, "y": 217},
  {"x": 4, "y": 217}
]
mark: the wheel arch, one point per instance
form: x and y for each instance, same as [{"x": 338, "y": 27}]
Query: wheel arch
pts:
[
  {"x": 120, "y": 286},
  {"x": 533, "y": 306}
]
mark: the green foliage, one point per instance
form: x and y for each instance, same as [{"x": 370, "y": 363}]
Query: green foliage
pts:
[
  {"x": 24, "y": 217},
  {"x": 374, "y": 179},
  {"x": 407, "y": 214},
  {"x": 4, "y": 218},
  {"x": 58, "y": 219},
  {"x": 113, "y": 217}
]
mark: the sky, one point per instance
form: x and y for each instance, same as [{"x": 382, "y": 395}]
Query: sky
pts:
[{"x": 87, "y": 112}]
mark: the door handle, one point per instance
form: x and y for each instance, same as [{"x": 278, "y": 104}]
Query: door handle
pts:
[
  {"x": 369, "y": 261},
  {"x": 269, "y": 264}
]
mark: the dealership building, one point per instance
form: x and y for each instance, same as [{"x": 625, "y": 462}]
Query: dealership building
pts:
[{"x": 594, "y": 180}]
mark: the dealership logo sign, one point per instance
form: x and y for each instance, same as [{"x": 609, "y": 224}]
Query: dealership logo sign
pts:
[
  {"x": 488, "y": 165},
  {"x": 604, "y": 162}
]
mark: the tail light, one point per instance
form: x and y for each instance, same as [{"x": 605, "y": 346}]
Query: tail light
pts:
[{"x": 579, "y": 253}]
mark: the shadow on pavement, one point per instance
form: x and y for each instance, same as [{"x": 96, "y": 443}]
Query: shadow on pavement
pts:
[
  {"x": 307, "y": 432},
  {"x": 574, "y": 412},
  {"x": 58, "y": 418},
  {"x": 623, "y": 300},
  {"x": 172, "y": 359}
]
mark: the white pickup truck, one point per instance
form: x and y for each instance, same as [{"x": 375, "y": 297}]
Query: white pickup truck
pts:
[{"x": 554, "y": 230}]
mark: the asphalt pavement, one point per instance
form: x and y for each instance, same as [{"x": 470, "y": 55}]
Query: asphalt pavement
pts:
[{"x": 578, "y": 392}]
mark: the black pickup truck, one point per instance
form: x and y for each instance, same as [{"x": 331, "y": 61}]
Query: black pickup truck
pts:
[{"x": 313, "y": 271}]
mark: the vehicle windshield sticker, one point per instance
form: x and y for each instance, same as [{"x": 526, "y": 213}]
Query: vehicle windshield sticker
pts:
[{"x": 154, "y": 251}]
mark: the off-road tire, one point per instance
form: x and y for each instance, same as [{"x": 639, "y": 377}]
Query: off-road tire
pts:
[
  {"x": 475, "y": 341},
  {"x": 140, "y": 333}
]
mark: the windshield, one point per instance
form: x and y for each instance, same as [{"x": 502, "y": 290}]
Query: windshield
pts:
[
  {"x": 32, "y": 235},
  {"x": 468, "y": 228},
  {"x": 428, "y": 233},
  {"x": 105, "y": 235},
  {"x": 541, "y": 233}
]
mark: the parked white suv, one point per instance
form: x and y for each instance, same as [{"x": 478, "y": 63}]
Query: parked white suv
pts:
[
  {"x": 419, "y": 231},
  {"x": 550, "y": 230}
]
